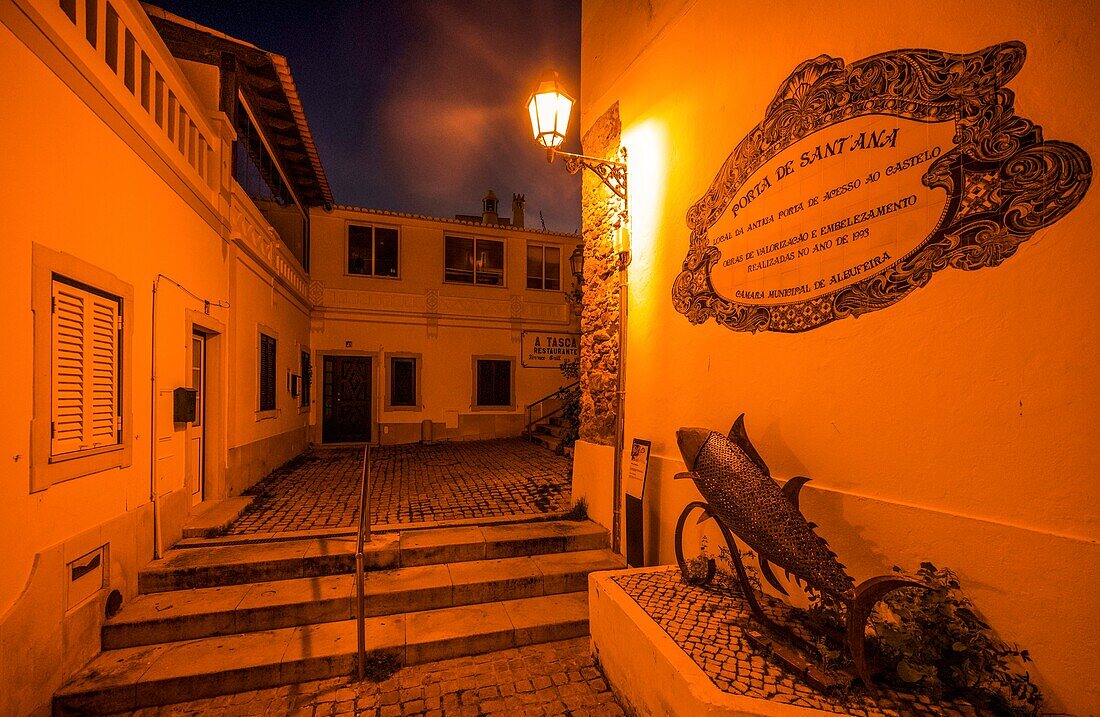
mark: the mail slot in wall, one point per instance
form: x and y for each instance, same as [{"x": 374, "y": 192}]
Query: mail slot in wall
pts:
[
  {"x": 86, "y": 575},
  {"x": 183, "y": 402}
]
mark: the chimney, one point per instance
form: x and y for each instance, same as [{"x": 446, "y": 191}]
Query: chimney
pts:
[
  {"x": 518, "y": 201},
  {"x": 489, "y": 211}
]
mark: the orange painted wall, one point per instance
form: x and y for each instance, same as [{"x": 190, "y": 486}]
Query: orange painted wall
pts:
[
  {"x": 958, "y": 425},
  {"x": 81, "y": 179}
]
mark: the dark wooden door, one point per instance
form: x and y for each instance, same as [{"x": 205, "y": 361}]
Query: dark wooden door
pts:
[{"x": 347, "y": 399}]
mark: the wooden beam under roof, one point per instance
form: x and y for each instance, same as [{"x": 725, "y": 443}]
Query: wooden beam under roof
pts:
[{"x": 265, "y": 81}]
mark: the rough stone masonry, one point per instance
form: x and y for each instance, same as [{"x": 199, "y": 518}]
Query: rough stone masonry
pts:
[{"x": 599, "y": 361}]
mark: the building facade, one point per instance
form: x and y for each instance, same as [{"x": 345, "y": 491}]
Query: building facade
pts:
[
  {"x": 441, "y": 316},
  {"x": 956, "y": 425},
  {"x": 169, "y": 291}
]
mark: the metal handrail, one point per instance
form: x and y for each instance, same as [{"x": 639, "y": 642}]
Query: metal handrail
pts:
[
  {"x": 362, "y": 535},
  {"x": 555, "y": 394},
  {"x": 533, "y": 421},
  {"x": 529, "y": 420}
]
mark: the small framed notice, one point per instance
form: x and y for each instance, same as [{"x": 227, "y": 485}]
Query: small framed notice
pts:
[
  {"x": 635, "y": 516},
  {"x": 639, "y": 465}
]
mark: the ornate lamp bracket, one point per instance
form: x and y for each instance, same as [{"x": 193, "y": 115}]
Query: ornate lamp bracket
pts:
[{"x": 611, "y": 172}]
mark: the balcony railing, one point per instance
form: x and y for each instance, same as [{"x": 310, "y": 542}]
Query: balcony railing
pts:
[{"x": 116, "y": 48}]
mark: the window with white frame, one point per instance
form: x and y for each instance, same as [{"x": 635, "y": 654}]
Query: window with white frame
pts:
[
  {"x": 493, "y": 382},
  {"x": 473, "y": 261},
  {"x": 372, "y": 251},
  {"x": 82, "y": 421},
  {"x": 403, "y": 390},
  {"x": 543, "y": 267},
  {"x": 85, "y": 409}
]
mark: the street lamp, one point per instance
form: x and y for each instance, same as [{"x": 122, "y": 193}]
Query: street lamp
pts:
[
  {"x": 576, "y": 264},
  {"x": 550, "y": 107}
]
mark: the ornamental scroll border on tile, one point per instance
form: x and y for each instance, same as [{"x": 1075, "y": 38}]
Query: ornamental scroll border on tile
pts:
[{"x": 1003, "y": 180}]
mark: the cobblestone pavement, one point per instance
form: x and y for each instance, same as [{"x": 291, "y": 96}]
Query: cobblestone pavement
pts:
[
  {"x": 556, "y": 678},
  {"x": 705, "y": 623},
  {"x": 410, "y": 484}
]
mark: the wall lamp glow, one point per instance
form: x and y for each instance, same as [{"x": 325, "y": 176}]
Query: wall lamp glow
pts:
[{"x": 550, "y": 107}]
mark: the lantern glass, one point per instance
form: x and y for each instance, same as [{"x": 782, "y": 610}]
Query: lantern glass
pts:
[
  {"x": 576, "y": 263},
  {"x": 550, "y": 107}
]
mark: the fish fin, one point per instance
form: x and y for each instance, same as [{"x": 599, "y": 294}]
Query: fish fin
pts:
[
  {"x": 793, "y": 487},
  {"x": 766, "y": 571},
  {"x": 704, "y": 517},
  {"x": 687, "y": 474},
  {"x": 738, "y": 435}
]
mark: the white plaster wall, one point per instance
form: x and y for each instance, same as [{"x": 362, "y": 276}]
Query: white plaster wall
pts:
[{"x": 957, "y": 426}]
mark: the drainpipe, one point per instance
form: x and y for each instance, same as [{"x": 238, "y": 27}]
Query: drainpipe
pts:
[
  {"x": 154, "y": 498},
  {"x": 620, "y": 396},
  {"x": 153, "y": 423}
]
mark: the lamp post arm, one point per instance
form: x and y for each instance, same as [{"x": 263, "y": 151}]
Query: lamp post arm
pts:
[{"x": 611, "y": 172}]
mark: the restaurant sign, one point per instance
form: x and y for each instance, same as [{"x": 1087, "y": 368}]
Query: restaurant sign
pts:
[
  {"x": 542, "y": 349},
  {"x": 863, "y": 180}
]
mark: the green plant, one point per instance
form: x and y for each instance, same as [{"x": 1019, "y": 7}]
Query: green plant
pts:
[
  {"x": 698, "y": 567},
  {"x": 571, "y": 403},
  {"x": 579, "y": 510},
  {"x": 730, "y": 571},
  {"x": 379, "y": 666},
  {"x": 933, "y": 639}
]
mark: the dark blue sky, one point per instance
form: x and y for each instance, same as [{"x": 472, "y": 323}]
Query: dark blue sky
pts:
[{"x": 418, "y": 105}]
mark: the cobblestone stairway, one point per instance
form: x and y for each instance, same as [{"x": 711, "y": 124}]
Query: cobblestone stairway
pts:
[{"x": 219, "y": 620}]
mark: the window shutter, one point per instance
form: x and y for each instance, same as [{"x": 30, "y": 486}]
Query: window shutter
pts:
[
  {"x": 84, "y": 385},
  {"x": 267, "y": 373},
  {"x": 104, "y": 371}
]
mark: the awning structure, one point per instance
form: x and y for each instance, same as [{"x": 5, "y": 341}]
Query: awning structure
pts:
[{"x": 264, "y": 80}]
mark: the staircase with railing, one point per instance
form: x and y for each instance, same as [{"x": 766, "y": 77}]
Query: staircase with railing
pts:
[{"x": 546, "y": 421}]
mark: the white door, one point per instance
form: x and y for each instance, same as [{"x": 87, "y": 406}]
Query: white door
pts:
[{"x": 197, "y": 448}]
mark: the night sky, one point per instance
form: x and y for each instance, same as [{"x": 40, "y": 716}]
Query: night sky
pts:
[{"x": 418, "y": 105}]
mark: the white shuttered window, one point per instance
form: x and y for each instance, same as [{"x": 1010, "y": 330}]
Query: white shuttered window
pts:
[{"x": 84, "y": 397}]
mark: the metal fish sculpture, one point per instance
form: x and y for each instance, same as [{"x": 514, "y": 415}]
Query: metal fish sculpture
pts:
[{"x": 745, "y": 500}]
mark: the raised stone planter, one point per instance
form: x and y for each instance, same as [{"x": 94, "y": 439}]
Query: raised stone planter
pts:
[{"x": 672, "y": 649}]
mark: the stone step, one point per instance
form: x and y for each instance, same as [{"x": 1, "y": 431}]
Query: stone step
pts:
[
  {"x": 208, "y": 612},
  {"x": 548, "y": 429},
  {"x": 215, "y": 516},
  {"x": 147, "y": 676},
  {"x": 286, "y": 560},
  {"x": 546, "y": 441}
]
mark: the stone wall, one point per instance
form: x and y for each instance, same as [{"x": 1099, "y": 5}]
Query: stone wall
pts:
[{"x": 600, "y": 313}]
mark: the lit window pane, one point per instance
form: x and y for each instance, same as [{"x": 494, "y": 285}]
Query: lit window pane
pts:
[
  {"x": 490, "y": 262},
  {"x": 385, "y": 252},
  {"x": 552, "y": 271},
  {"x": 534, "y": 267},
  {"x": 459, "y": 260}
]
